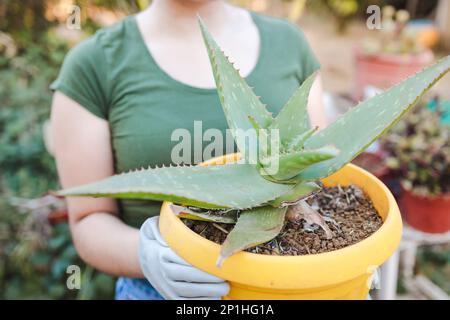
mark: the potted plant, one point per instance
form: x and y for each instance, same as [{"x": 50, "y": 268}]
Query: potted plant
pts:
[
  {"x": 419, "y": 149},
  {"x": 396, "y": 54},
  {"x": 253, "y": 205}
]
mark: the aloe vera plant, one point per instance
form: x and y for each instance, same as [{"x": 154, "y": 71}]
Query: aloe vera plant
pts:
[{"x": 249, "y": 194}]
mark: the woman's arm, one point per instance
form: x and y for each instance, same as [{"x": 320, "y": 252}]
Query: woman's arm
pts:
[
  {"x": 82, "y": 148},
  {"x": 316, "y": 108}
]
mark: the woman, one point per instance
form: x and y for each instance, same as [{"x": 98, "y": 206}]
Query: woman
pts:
[{"x": 119, "y": 96}]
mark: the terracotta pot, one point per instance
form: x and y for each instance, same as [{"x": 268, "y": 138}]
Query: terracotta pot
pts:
[
  {"x": 427, "y": 214},
  {"x": 341, "y": 274},
  {"x": 373, "y": 163},
  {"x": 56, "y": 217},
  {"x": 384, "y": 70}
]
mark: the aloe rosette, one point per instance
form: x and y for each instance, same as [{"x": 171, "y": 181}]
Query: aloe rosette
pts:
[{"x": 249, "y": 195}]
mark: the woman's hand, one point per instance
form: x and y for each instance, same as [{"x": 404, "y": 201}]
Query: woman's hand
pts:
[{"x": 169, "y": 274}]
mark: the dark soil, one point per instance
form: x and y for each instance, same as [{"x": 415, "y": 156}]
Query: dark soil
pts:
[{"x": 349, "y": 214}]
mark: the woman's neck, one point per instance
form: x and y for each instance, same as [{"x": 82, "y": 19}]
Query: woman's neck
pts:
[{"x": 171, "y": 16}]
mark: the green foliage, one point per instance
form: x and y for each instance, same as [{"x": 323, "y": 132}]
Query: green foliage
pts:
[
  {"x": 419, "y": 150},
  {"x": 341, "y": 11},
  {"x": 27, "y": 169},
  {"x": 24, "y": 20},
  {"x": 33, "y": 254},
  {"x": 434, "y": 262},
  {"x": 34, "y": 257},
  {"x": 29, "y": 269},
  {"x": 28, "y": 20},
  {"x": 343, "y": 8}
]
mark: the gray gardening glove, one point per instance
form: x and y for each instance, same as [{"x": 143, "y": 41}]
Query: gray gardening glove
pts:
[{"x": 169, "y": 274}]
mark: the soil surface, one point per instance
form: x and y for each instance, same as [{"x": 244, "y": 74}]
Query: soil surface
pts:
[{"x": 348, "y": 213}]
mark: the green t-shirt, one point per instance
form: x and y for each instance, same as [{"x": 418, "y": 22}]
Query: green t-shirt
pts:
[{"x": 113, "y": 75}]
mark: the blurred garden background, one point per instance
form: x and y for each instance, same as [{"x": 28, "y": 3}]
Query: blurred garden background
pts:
[{"x": 357, "y": 61}]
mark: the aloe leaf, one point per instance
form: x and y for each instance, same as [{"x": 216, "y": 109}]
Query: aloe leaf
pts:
[
  {"x": 261, "y": 135},
  {"x": 362, "y": 125},
  {"x": 253, "y": 227},
  {"x": 291, "y": 164},
  {"x": 297, "y": 143},
  {"x": 230, "y": 216},
  {"x": 237, "y": 98},
  {"x": 266, "y": 141},
  {"x": 237, "y": 186},
  {"x": 293, "y": 118},
  {"x": 300, "y": 191}
]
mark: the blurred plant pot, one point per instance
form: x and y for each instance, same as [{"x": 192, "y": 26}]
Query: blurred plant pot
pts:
[
  {"x": 427, "y": 214},
  {"x": 341, "y": 274},
  {"x": 374, "y": 163},
  {"x": 384, "y": 70},
  {"x": 58, "y": 216}
]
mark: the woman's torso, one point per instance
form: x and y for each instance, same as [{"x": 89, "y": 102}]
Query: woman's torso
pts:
[{"x": 144, "y": 105}]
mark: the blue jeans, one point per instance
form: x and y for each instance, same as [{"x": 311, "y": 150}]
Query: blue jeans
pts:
[
  {"x": 141, "y": 289},
  {"x": 135, "y": 289}
]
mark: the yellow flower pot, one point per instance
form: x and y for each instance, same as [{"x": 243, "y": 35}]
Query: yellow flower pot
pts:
[{"x": 341, "y": 274}]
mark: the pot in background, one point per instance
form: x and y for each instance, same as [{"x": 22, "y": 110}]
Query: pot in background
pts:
[
  {"x": 383, "y": 70},
  {"x": 427, "y": 214},
  {"x": 374, "y": 163}
]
